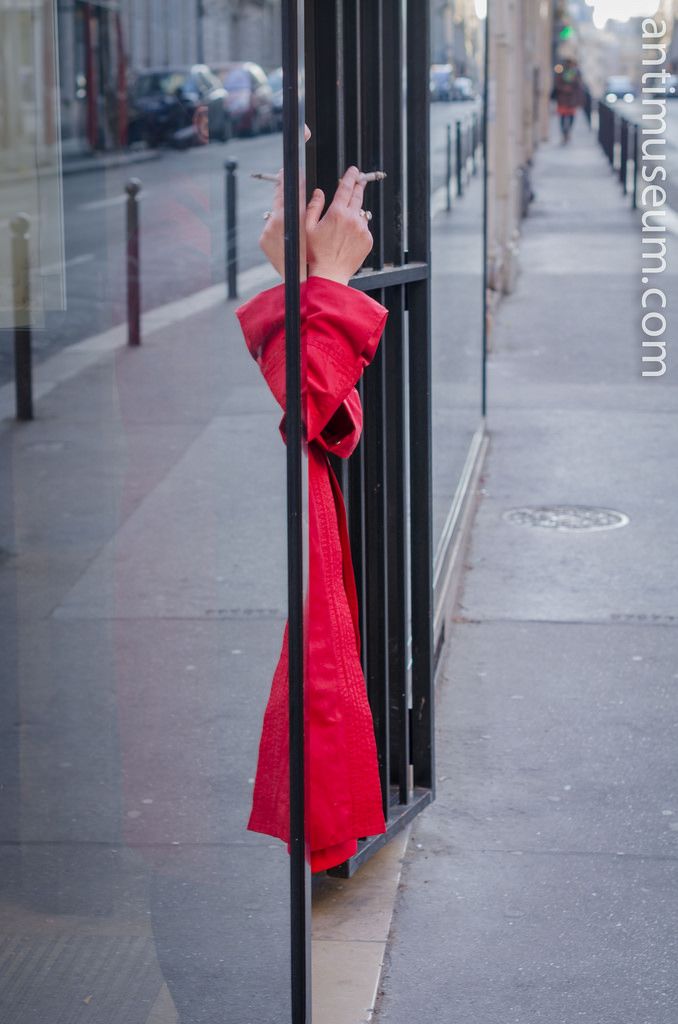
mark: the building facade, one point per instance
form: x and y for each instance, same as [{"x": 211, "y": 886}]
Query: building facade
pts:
[
  {"x": 520, "y": 40},
  {"x": 101, "y": 43}
]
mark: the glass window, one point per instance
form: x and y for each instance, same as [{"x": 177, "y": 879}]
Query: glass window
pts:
[
  {"x": 275, "y": 80},
  {"x": 237, "y": 79},
  {"x": 457, "y": 259},
  {"x": 165, "y": 82},
  {"x": 143, "y": 535}
]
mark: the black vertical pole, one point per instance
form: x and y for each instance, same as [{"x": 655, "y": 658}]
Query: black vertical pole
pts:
[
  {"x": 484, "y": 143},
  {"x": 395, "y": 402},
  {"x": 448, "y": 174},
  {"x": 23, "y": 358},
  {"x": 231, "y": 214},
  {"x": 623, "y": 153},
  {"x": 376, "y": 573},
  {"x": 199, "y": 31},
  {"x": 419, "y": 345},
  {"x": 636, "y": 162},
  {"x": 293, "y": 157},
  {"x": 460, "y": 179},
  {"x": 132, "y": 188}
]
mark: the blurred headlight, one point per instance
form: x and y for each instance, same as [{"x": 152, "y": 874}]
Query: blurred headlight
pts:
[
  {"x": 611, "y": 97},
  {"x": 629, "y": 97}
]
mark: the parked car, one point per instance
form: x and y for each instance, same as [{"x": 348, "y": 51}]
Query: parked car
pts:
[
  {"x": 181, "y": 106},
  {"x": 250, "y": 97},
  {"x": 462, "y": 89},
  {"x": 619, "y": 87},
  {"x": 440, "y": 82},
  {"x": 275, "y": 80}
]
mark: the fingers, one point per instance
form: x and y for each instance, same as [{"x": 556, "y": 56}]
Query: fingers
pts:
[
  {"x": 278, "y": 201},
  {"x": 356, "y": 200},
  {"x": 314, "y": 209},
  {"x": 344, "y": 193}
]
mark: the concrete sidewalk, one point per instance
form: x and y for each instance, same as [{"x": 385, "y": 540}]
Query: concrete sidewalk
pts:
[
  {"x": 541, "y": 887},
  {"x": 142, "y": 602}
]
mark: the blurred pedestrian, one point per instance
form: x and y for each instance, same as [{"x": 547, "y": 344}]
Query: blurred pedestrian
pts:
[{"x": 568, "y": 91}]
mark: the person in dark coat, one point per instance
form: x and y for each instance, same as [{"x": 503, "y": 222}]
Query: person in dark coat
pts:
[{"x": 569, "y": 95}]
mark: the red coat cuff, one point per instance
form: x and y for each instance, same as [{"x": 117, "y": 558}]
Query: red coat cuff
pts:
[{"x": 341, "y": 328}]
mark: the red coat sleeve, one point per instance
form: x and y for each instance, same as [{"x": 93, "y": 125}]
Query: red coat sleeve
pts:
[{"x": 341, "y": 328}]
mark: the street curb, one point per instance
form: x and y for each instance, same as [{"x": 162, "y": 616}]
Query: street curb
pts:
[
  {"x": 74, "y": 359},
  {"x": 351, "y": 926},
  {"x": 81, "y": 166},
  {"x": 96, "y": 163}
]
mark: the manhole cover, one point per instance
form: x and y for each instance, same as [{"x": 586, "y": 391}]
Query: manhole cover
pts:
[{"x": 566, "y": 517}]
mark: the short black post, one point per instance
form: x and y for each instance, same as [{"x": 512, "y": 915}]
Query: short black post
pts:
[
  {"x": 448, "y": 170},
  {"x": 460, "y": 167},
  {"x": 474, "y": 143},
  {"x": 607, "y": 132},
  {"x": 133, "y": 188},
  {"x": 623, "y": 153},
  {"x": 230, "y": 204},
  {"x": 23, "y": 359},
  {"x": 636, "y": 164},
  {"x": 587, "y": 104}
]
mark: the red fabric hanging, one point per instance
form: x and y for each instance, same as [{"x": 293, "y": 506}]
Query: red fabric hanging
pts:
[{"x": 341, "y": 329}]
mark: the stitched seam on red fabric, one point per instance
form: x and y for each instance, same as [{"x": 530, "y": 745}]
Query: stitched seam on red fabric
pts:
[{"x": 351, "y": 681}]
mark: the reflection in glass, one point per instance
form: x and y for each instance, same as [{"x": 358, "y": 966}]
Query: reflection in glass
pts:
[
  {"x": 457, "y": 246},
  {"x": 142, "y": 541}
]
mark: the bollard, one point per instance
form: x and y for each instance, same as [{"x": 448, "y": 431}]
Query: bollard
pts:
[
  {"x": 624, "y": 154},
  {"x": 460, "y": 178},
  {"x": 606, "y": 126},
  {"x": 23, "y": 358},
  {"x": 448, "y": 174},
  {"x": 132, "y": 188},
  {"x": 474, "y": 143},
  {"x": 636, "y": 161},
  {"x": 230, "y": 206}
]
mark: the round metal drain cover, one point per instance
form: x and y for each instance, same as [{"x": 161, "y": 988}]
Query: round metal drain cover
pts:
[{"x": 567, "y": 517}]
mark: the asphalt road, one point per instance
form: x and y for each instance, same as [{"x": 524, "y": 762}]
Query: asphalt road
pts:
[
  {"x": 182, "y": 230},
  {"x": 182, "y": 234}
]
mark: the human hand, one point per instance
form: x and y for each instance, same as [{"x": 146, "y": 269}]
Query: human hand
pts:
[
  {"x": 338, "y": 242},
  {"x": 272, "y": 240},
  {"x": 336, "y": 245}
]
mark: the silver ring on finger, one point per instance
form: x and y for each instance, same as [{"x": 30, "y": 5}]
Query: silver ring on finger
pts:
[
  {"x": 268, "y": 214},
  {"x": 367, "y": 214}
]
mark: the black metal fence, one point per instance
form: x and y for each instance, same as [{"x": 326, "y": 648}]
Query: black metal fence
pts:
[
  {"x": 619, "y": 138},
  {"x": 356, "y": 63}
]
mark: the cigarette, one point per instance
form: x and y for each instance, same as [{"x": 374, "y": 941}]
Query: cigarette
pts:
[{"x": 364, "y": 177}]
